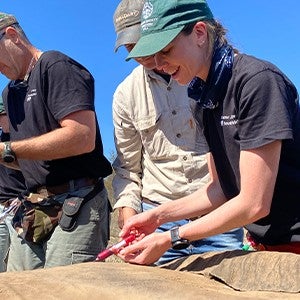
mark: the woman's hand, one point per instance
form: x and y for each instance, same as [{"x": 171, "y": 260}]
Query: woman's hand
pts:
[
  {"x": 140, "y": 224},
  {"x": 146, "y": 249}
]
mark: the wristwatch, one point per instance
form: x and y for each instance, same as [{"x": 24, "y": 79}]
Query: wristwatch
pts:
[
  {"x": 8, "y": 155},
  {"x": 178, "y": 243}
]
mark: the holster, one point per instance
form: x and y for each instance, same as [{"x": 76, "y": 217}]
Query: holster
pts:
[
  {"x": 72, "y": 206},
  {"x": 71, "y": 209}
]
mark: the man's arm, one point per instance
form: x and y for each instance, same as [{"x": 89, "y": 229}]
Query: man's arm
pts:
[
  {"x": 127, "y": 183},
  {"x": 125, "y": 213},
  {"x": 76, "y": 136}
]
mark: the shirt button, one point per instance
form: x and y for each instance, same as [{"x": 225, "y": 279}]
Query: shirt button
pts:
[
  {"x": 184, "y": 158},
  {"x": 178, "y": 135},
  {"x": 174, "y": 112},
  {"x": 169, "y": 88},
  {"x": 190, "y": 180}
]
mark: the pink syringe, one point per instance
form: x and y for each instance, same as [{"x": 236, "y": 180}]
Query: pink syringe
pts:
[{"x": 114, "y": 249}]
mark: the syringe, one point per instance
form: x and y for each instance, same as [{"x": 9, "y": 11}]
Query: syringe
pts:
[{"x": 114, "y": 249}]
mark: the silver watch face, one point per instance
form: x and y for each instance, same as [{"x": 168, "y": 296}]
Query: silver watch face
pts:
[{"x": 8, "y": 155}]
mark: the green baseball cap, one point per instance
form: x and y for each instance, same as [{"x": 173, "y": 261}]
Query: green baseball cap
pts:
[
  {"x": 163, "y": 20},
  {"x": 6, "y": 20},
  {"x": 2, "y": 109}
]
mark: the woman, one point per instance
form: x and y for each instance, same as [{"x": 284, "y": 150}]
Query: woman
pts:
[{"x": 251, "y": 119}]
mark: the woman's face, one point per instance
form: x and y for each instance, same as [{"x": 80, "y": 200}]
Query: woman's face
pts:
[{"x": 186, "y": 56}]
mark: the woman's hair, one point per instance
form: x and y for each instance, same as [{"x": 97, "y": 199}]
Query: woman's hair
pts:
[{"x": 215, "y": 32}]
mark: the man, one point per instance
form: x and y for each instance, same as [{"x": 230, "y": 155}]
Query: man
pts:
[
  {"x": 56, "y": 140},
  {"x": 12, "y": 183},
  {"x": 160, "y": 151},
  {"x": 251, "y": 121}
]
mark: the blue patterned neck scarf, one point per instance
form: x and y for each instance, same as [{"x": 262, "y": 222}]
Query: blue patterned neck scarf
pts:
[{"x": 209, "y": 93}]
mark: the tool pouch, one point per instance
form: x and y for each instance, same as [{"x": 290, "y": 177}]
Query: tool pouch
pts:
[
  {"x": 71, "y": 208},
  {"x": 72, "y": 205}
]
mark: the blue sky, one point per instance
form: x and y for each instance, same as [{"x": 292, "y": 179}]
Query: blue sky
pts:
[{"x": 84, "y": 30}]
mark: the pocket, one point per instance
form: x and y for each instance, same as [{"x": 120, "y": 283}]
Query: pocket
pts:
[
  {"x": 192, "y": 132},
  {"x": 82, "y": 256},
  {"x": 153, "y": 137}
]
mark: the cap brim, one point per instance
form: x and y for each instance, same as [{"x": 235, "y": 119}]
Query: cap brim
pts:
[
  {"x": 154, "y": 42},
  {"x": 129, "y": 35}
]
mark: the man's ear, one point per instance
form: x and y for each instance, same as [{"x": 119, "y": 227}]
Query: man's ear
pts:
[{"x": 12, "y": 33}]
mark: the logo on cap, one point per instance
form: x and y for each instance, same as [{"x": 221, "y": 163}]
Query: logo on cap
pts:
[
  {"x": 147, "y": 10},
  {"x": 146, "y": 14}
]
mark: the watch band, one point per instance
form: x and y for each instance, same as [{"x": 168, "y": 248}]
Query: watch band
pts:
[{"x": 178, "y": 242}]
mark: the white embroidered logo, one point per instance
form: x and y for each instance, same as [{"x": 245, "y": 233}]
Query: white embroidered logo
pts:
[
  {"x": 147, "y": 10},
  {"x": 228, "y": 120},
  {"x": 31, "y": 94},
  {"x": 147, "y": 13}
]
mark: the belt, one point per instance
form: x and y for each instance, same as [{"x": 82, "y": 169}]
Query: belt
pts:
[
  {"x": 73, "y": 184},
  {"x": 293, "y": 247},
  {"x": 151, "y": 202}
]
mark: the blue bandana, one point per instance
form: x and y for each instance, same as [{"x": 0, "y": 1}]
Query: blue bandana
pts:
[{"x": 208, "y": 94}]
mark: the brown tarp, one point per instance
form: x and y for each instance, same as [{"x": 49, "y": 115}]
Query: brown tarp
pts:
[
  {"x": 246, "y": 271},
  {"x": 113, "y": 280}
]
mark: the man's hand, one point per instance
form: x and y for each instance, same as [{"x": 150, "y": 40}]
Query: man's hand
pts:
[{"x": 124, "y": 214}]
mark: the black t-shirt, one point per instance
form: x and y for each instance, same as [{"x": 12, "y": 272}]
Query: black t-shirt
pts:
[
  {"x": 57, "y": 87},
  {"x": 12, "y": 182},
  {"x": 261, "y": 105}
]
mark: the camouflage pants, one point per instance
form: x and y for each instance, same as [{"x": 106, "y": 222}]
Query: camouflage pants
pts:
[{"x": 64, "y": 248}]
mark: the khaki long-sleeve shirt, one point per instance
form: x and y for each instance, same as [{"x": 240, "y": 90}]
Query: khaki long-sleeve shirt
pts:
[{"x": 160, "y": 149}]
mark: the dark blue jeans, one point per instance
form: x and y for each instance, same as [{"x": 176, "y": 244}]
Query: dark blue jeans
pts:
[{"x": 231, "y": 240}]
